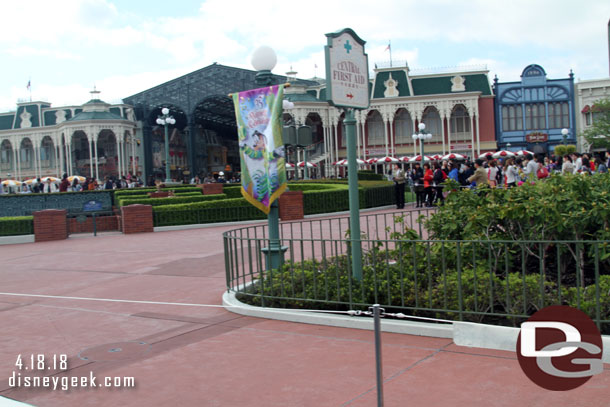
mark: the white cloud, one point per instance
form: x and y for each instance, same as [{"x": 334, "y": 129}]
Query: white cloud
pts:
[{"x": 103, "y": 38}]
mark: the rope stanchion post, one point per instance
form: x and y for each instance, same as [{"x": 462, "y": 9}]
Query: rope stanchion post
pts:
[{"x": 378, "y": 356}]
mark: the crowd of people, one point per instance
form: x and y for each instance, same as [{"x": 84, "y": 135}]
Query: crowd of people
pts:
[{"x": 509, "y": 172}]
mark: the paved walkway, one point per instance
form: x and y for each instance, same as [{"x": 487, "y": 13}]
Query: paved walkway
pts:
[{"x": 189, "y": 355}]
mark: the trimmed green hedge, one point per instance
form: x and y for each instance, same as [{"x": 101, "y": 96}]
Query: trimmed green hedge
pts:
[
  {"x": 176, "y": 200},
  {"x": 16, "y": 225},
  {"x": 367, "y": 175},
  {"x": 144, "y": 191},
  {"x": 318, "y": 196}
]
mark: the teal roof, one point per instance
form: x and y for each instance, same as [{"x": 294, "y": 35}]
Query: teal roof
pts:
[
  {"x": 399, "y": 76},
  {"x": 442, "y": 84},
  {"x": 300, "y": 97},
  {"x": 95, "y": 116},
  {"x": 32, "y": 110},
  {"x": 6, "y": 121}
]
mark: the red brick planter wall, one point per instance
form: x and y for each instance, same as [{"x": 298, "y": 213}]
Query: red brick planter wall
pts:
[
  {"x": 137, "y": 219},
  {"x": 159, "y": 194},
  {"x": 212, "y": 189},
  {"x": 291, "y": 205},
  {"x": 49, "y": 225}
]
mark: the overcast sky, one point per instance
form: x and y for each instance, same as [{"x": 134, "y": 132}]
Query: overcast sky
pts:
[{"x": 65, "y": 47}]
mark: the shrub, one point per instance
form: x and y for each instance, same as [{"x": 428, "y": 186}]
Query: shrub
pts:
[
  {"x": 367, "y": 175},
  {"x": 16, "y": 225},
  {"x": 178, "y": 199}
]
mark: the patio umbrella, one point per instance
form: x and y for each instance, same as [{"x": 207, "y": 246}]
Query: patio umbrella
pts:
[
  {"x": 386, "y": 160},
  {"x": 289, "y": 166},
  {"x": 436, "y": 157},
  {"x": 309, "y": 164},
  {"x": 418, "y": 158},
  {"x": 53, "y": 179},
  {"x": 523, "y": 153},
  {"x": 486, "y": 155},
  {"x": 454, "y": 156},
  {"x": 371, "y": 161},
  {"x": 404, "y": 159},
  {"x": 344, "y": 162},
  {"x": 80, "y": 178},
  {"x": 503, "y": 154},
  {"x": 11, "y": 183},
  {"x": 31, "y": 181}
]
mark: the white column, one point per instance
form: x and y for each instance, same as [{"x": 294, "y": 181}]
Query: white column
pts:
[
  {"x": 392, "y": 136},
  {"x": 70, "y": 168},
  {"x": 363, "y": 132},
  {"x": 474, "y": 146},
  {"x": 118, "y": 154},
  {"x": 478, "y": 134},
  {"x": 385, "y": 133},
  {"x": 89, "y": 141},
  {"x": 61, "y": 156},
  {"x": 449, "y": 135},
  {"x": 326, "y": 150},
  {"x": 97, "y": 173},
  {"x": 133, "y": 154},
  {"x": 15, "y": 154},
  {"x": 18, "y": 171},
  {"x": 336, "y": 141},
  {"x": 56, "y": 155},
  {"x": 443, "y": 132}
]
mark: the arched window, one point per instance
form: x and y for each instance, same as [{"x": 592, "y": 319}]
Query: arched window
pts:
[
  {"x": 404, "y": 127},
  {"x": 47, "y": 153},
  {"x": 26, "y": 154},
  {"x": 512, "y": 118},
  {"x": 460, "y": 124},
  {"x": 6, "y": 155},
  {"x": 433, "y": 123},
  {"x": 374, "y": 125}
]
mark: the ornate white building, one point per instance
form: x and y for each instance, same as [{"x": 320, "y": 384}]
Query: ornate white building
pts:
[
  {"x": 587, "y": 93},
  {"x": 92, "y": 140}
]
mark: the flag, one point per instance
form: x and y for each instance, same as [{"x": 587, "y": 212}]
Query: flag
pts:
[
  {"x": 29, "y": 85},
  {"x": 389, "y": 47},
  {"x": 263, "y": 171}
]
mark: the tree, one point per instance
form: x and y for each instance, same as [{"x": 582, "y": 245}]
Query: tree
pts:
[{"x": 598, "y": 135}]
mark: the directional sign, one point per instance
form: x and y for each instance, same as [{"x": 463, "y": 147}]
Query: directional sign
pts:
[{"x": 347, "y": 70}]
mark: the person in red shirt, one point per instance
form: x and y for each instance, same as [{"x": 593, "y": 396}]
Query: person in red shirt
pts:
[
  {"x": 65, "y": 184},
  {"x": 542, "y": 171},
  {"x": 428, "y": 178}
]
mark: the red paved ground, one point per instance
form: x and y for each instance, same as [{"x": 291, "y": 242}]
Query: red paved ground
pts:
[{"x": 203, "y": 356}]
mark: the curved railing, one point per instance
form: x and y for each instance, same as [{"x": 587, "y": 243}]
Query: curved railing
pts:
[{"x": 499, "y": 282}]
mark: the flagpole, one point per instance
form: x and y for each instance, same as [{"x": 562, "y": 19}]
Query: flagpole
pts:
[{"x": 390, "y": 47}]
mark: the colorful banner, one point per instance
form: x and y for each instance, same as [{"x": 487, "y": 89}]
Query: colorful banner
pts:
[{"x": 259, "y": 127}]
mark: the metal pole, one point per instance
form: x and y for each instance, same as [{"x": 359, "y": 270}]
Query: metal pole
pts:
[
  {"x": 306, "y": 173},
  {"x": 354, "y": 204},
  {"x": 378, "y": 356},
  {"x": 167, "y": 176},
  {"x": 274, "y": 251}
]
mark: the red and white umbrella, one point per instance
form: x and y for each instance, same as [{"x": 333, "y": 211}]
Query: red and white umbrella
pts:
[
  {"x": 31, "y": 181},
  {"x": 418, "y": 158},
  {"x": 454, "y": 156},
  {"x": 371, "y": 161},
  {"x": 309, "y": 164},
  {"x": 486, "y": 155},
  {"x": 387, "y": 160},
  {"x": 524, "y": 152},
  {"x": 503, "y": 154},
  {"x": 404, "y": 159},
  {"x": 289, "y": 166},
  {"x": 344, "y": 162}
]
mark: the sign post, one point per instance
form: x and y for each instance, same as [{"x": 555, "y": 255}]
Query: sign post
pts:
[{"x": 347, "y": 79}]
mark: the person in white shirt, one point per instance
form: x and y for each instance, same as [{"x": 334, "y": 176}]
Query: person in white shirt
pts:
[{"x": 49, "y": 187}]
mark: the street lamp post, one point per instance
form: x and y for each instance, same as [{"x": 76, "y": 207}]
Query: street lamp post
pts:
[
  {"x": 564, "y": 133},
  {"x": 165, "y": 120},
  {"x": 421, "y": 136}
]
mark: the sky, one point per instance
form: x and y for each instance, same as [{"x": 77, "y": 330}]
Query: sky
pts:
[{"x": 64, "y": 48}]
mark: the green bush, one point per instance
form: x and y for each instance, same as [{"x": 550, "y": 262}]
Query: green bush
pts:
[
  {"x": 563, "y": 150},
  {"x": 366, "y": 175},
  {"x": 178, "y": 199},
  {"x": 16, "y": 225},
  {"x": 221, "y": 210},
  {"x": 145, "y": 191}
]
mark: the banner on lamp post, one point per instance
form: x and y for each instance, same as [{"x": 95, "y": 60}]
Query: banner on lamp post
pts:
[{"x": 263, "y": 171}]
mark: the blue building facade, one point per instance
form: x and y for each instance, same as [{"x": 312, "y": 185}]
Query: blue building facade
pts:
[{"x": 531, "y": 113}]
